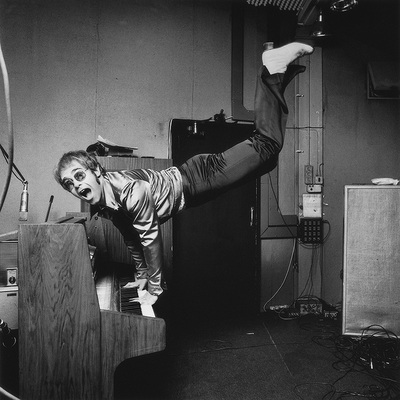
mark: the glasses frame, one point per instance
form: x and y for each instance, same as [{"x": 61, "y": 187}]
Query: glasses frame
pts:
[{"x": 79, "y": 176}]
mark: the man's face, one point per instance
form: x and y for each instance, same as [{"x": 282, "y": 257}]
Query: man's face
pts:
[{"x": 83, "y": 183}]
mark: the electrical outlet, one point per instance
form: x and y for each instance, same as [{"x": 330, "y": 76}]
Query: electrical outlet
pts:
[
  {"x": 12, "y": 275},
  {"x": 314, "y": 188},
  {"x": 319, "y": 180},
  {"x": 308, "y": 174}
]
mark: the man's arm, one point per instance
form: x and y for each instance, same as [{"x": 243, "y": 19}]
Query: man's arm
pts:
[{"x": 138, "y": 204}]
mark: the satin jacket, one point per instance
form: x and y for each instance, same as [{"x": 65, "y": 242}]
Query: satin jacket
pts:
[{"x": 137, "y": 202}]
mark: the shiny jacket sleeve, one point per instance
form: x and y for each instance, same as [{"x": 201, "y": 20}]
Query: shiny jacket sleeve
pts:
[{"x": 137, "y": 201}]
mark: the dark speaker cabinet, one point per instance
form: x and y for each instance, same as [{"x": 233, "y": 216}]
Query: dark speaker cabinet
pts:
[
  {"x": 371, "y": 267},
  {"x": 216, "y": 250}
]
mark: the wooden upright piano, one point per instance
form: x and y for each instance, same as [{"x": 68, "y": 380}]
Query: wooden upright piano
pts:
[{"x": 69, "y": 346}]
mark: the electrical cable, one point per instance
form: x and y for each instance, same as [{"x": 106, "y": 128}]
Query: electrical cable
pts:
[
  {"x": 8, "y": 394},
  {"x": 16, "y": 172},
  {"x": 292, "y": 256},
  {"x": 374, "y": 354},
  {"x": 285, "y": 277},
  {"x": 295, "y": 128},
  {"x": 10, "y": 128},
  {"x": 278, "y": 208},
  {"x": 309, "y": 283},
  {"x": 216, "y": 345},
  {"x": 314, "y": 248}
]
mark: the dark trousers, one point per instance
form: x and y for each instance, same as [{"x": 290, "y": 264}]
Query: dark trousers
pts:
[{"x": 205, "y": 176}]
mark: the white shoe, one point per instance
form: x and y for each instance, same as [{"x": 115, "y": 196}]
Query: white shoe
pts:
[{"x": 277, "y": 60}]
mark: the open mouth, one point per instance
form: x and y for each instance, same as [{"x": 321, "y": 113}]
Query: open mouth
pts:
[{"x": 84, "y": 192}]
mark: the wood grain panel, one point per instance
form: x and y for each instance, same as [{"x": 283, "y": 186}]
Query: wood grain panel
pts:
[
  {"x": 59, "y": 322},
  {"x": 126, "y": 336},
  {"x": 68, "y": 348}
]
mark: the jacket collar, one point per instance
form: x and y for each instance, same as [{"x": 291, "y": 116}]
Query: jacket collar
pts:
[{"x": 109, "y": 196}]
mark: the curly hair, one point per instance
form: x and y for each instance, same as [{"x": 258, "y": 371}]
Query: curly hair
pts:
[{"x": 84, "y": 158}]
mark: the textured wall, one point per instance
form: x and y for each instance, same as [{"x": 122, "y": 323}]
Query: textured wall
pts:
[
  {"x": 362, "y": 138},
  {"x": 119, "y": 69}
]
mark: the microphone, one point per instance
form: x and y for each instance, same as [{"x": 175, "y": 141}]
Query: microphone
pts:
[
  {"x": 23, "y": 208},
  {"x": 48, "y": 209}
]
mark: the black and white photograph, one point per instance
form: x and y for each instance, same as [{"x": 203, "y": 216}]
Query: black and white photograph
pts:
[{"x": 199, "y": 199}]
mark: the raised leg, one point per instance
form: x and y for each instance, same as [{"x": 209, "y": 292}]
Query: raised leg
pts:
[{"x": 207, "y": 175}]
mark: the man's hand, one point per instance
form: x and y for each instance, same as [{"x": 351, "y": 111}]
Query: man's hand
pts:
[
  {"x": 138, "y": 283},
  {"x": 145, "y": 298}
]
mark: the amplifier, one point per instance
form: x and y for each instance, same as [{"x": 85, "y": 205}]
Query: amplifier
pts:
[
  {"x": 371, "y": 259},
  {"x": 8, "y": 263},
  {"x": 9, "y": 306}
]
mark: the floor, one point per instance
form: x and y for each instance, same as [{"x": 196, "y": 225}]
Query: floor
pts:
[{"x": 268, "y": 356}]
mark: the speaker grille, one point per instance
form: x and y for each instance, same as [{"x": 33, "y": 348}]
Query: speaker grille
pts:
[
  {"x": 287, "y": 5},
  {"x": 371, "y": 264}
]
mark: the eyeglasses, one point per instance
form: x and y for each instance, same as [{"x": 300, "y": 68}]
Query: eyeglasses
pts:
[{"x": 79, "y": 176}]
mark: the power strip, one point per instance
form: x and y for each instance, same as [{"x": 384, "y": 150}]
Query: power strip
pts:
[
  {"x": 308, "y": 174},
  {"x": 309, "y": 307},
  {"x": 278, "y": 308},
  {"x": 331, "y": 315}
]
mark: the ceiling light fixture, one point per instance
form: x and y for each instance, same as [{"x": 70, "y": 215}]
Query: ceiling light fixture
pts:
[
  {"x": 343, "y": 5},
  {"x": 319, "y": 27}
]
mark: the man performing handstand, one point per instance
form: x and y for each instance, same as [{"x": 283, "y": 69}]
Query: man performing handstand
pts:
[{"x": 138, "y": 201}]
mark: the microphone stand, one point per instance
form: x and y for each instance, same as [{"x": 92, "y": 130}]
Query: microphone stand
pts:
[
  {"x": 23, "y": 212},
  {"x": 6, "y": 156}
]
